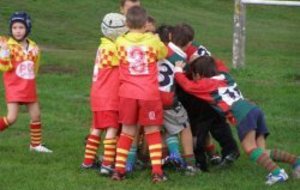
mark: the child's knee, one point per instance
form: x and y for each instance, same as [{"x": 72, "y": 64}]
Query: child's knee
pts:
[{"x": 11, "y": 119}]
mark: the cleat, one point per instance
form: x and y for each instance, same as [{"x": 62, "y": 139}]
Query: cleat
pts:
[
  {"x": 175, "y": 160},
  {"x": 215, "y": 159},
  {"x": 116, "y": 176},
  {"x": 40, "y": 148},
  {"x": 94, "y": 166},
  {"x": 191, "y": 170},
  {"x": 157, "y": 178},
  {"x": 281, "y": 177},
  {"x": 106, "y": 170},
  {"x": 129, "y": 167},
  {"x": 229, "y": 159}
]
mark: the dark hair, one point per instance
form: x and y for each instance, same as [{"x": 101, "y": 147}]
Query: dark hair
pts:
[
  {"x": 182, "y": 34},
  {"x": 136, "y": 17},
  {"x": 122, "y": 2},
  {"x": 189, "y": 31},
  {"x": 204, "y": 66},
  {"x": 164, "y": 32},
  {"x": 151, "y": 19}
]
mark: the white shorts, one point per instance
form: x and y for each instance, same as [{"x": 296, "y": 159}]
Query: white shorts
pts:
[{"x": 175, "y": 119}]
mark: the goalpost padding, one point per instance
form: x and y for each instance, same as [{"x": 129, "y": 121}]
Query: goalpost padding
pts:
[{"x": 239, "y": 28}]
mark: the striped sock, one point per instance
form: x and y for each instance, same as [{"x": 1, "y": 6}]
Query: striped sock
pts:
[
  {"x": 155, "y": 149},
  {"x": 262, "y": 158},
  {"x": 123, "y": 147},
  {"x": 109, "y": 151},
  {"x": 91, "y": 148},
  {"x": 189, "y": 159},
  {"x": 3, "y": 123},
  {"x": 283, "y": 156},
  {"x": 35, "y": 134},
  {"x": 173, "y": 145},
  {"x": 132, "y": 155}
]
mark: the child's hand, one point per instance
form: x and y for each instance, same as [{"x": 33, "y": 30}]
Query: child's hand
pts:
[{"x": 180, "y": 64}]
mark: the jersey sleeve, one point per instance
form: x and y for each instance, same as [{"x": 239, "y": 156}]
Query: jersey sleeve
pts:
[
  {"x": 37, "y": 61},
  {"x": 162, "y": 49},
  {"x": 5, "y": 62},
  {"x": 201, "y": 88}
]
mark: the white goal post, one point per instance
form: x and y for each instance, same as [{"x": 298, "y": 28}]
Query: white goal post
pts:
[{"x": 239, "y": 26}]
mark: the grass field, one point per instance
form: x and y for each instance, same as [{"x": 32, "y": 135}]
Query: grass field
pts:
[{"x": 68, "y": 32}]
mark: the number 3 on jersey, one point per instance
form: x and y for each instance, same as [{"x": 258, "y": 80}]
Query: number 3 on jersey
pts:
[
  {"x": 138, "y": 62},
  {"x": 166, "y": 75}
]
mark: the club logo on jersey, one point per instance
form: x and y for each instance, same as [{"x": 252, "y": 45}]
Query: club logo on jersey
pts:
[
  {"x": 152, "y": 115},
  {"x": 25, "y": 70},
  {"x": 230, "y": 94},
  {"x": 137, "y": 59}
]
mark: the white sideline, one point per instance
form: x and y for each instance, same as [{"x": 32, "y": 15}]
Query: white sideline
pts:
[{"x": 269, "y": 2}]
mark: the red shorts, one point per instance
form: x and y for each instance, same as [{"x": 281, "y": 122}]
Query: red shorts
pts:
[
  {"x": 105, "y": 119},
  {"x": 142, "y": 112}
]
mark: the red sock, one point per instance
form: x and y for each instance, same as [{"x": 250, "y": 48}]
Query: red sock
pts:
[
  {"x": 35, "y": 134},
  {"x": 210, "y": 149},
  {"x": 3, "y": 123},
  {"x": 109, "y": 152},
  {"x": 155, "y": 149},
  {"x": 91, "y": 148},
  {"x": 123, "y": 147}
]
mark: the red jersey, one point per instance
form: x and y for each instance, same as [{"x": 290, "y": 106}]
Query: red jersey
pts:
[
  {"x": 220, "y": 91},
  {"x": 19, "y": 81},
  {"x": 138, "y": 54},
  {"x": 105, "y": 86}
]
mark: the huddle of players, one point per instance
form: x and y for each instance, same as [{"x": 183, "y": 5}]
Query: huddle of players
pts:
[{"x": 133, "y": 84}]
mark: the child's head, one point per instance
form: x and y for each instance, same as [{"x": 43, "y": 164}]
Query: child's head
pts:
[
  {"x": 203, "y": 67},
  {"x": 151, "y": 24},
  {"x": 165, "y": 33},
  {"x": 127, "y": 4},
  {"x": 182, "y": 35},
  {"x": 136, "y": 18},
  {"x": 113, "y": 25},
  {"x": 19, "y": 25}
]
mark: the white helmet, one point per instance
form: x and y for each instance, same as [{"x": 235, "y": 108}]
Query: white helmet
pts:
[{"x": 113, "y": 25}]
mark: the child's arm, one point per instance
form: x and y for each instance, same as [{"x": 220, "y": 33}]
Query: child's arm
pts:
[
  {"x": 5, "y": 63},
  {"x": 200, "y": 88}
]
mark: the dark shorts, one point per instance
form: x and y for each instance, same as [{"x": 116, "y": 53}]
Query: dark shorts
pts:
[{"x": 254, "y": 120}]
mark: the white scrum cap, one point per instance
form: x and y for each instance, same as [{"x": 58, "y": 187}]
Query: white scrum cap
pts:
[{"x": 113, "y": 25}]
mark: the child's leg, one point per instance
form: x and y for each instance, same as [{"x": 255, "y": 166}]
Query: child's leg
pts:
[
  {"x": 36, "y": 129},
  {"x": 91, "y": 147},
  {"x": 123, "y": 147},
  {"x": 211, "y": 151},
  {"x": 110, "y": 144},
  {"x": 187, "y": 145},
  {"x": 172, "y": 142},
  {"x": 258, "y": 154},
  {"x": 154, "y": 141},
  {"x": 12, "y": 114},
  {"x": 35, "y": 125},
  {"x": 221, "y": 132},
  {"x": 133, "y": 151}
]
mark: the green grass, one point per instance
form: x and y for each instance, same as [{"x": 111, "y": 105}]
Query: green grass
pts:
[{"x": 68, "y": 32}]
